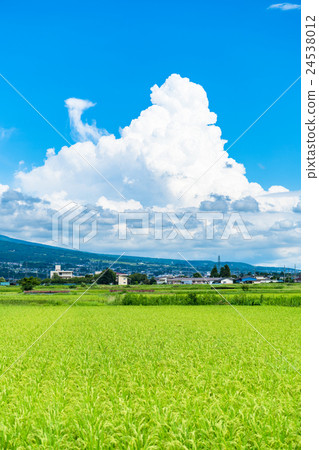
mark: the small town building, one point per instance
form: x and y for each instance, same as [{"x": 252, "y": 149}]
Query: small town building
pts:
[
  {"x": 254, "y": 280},
  {"x": 122, "y": 279},
  {"x": 191, "y": 280},
  {"x": 226, "y": 281},
  {"x": 163, "y": 279},
  {"x": 261, "y": 279},
  {"x": 247, "y": 280},
  {"x": 196, "y": 280},
  {"x": 61, "y": 273},
  {"x": 186, "y": 280}
]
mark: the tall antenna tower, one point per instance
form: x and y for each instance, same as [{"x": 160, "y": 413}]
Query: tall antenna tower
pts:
[{"x": 218, "y": 264}]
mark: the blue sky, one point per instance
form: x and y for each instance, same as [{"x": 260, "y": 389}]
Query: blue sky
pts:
[
  {"x": 149, "y": 68},
  {"x": 243, "y": 54}
]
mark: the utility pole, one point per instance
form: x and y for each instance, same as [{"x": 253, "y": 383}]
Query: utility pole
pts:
[{"x": 218, "y": 264}]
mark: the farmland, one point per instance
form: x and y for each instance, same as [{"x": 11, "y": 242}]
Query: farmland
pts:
[
  {"x": 269, "y": 294},
  {"x": 114, "y": 375}
]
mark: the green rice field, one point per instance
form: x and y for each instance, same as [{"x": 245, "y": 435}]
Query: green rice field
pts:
[{"x": 113, "y": 375}]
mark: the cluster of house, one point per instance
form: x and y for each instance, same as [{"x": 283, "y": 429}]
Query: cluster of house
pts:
[
  {"x": 122, "y": 279},
  {"x": 211, "y": 280},
  {"x": 194, "y": 280}
]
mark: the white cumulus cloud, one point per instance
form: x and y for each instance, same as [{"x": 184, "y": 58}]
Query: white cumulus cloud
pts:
[
  {"x": 3, "y": 188},
  {"x": 164, "y": 152}
]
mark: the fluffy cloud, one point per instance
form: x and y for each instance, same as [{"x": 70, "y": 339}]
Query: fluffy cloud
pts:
[
  {"x": 285, "y": 6},
  {"x": 3, "y": 188},
  {"x": 220, "y": 203},
  {"x": 24, "y": 216},
  {"x": 162, "y": 154},
  {"x": 121, "y": 206},
  {"x": 174, "y": 147},
  {"x": 246, "y": 204},
  {"x": 82, "y": 131}
]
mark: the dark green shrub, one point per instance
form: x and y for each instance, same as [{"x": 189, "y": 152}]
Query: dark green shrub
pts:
[{"x": 192, "y": 298}]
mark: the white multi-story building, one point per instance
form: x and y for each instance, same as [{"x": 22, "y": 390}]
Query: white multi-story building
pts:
[
  {"x": 61, "y": 273},
  {"x": 122, "y": 279}
]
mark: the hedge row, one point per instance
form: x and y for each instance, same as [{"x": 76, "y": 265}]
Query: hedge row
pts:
[{"x": 193, "y": 298}]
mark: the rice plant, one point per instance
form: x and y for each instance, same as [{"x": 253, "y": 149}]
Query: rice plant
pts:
[{"x": 171, "y": 377}]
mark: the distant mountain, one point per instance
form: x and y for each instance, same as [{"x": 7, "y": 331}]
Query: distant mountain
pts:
[{"x": 20, "y": 258}]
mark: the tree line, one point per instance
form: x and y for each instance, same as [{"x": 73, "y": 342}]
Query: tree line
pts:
[
  {"x": 108, "y": 276},
  {"x": 223, "y": 273}
]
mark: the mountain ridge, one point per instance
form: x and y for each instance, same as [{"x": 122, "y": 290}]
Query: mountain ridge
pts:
[{"x": 18, "y": 257}]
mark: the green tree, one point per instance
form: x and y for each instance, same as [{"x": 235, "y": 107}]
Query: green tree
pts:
[
  {"x": 108, "y": 277},
  {"x": 152, "y": 280},
  {"x": 214, "y": 272},
  {"x": 57, "y": 280},
  {"x": 138, "y": 278},
  {"x": 225, "y": 271},
  {"x": 28, "y": 283},
  {"x": 197, "y": 275},
  {"x": 46, "y": 281}
]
